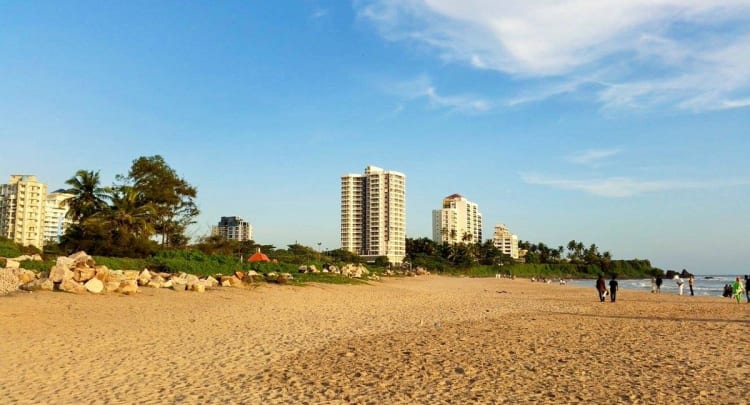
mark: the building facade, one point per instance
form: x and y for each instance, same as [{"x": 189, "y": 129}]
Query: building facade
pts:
[
  {"x": 22, "y": 207},
  {"x": 505, "y": 241},
  {"x": 373, "y": 214},
  {"x": 56, "y": 220},
  {"x": 233, "y": 228},
  {"x": 458, "y": 221}
]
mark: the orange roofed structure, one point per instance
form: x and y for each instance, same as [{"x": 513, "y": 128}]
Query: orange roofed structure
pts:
[{"x": 258, "y": 256}]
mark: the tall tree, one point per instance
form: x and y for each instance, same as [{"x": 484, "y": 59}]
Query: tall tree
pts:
[
  {"x": 89, "y": 197},
  {"x": 131, "y": 213},
  {"x": 173, "y": 198}
]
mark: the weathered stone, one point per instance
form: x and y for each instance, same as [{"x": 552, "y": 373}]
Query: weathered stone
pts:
[
  {"x": 43, "y": 284},
  {"x": 225, "y": 282},
  {"x": 58, "y": 273},
  {"x": 12, "y": 264},
  {"x": 128, "y": 287},
  {"x": 81, "y": 258},
  {"x": 95, "y": 286},
  {"x": 102, "y": 273},
  {"x": 112, "y": 286},
  {"x": 131, "y": 274},
  {"x": 191, "y": 280},
  {"x": 83, "y": 274},
  {"x": 199, "y": 287},
  {"x": 210, "y": 282},
  {"x": 178, "y": 284},
  {"x": 144, "y": 277},
  {"x": 71, "y": 286},
  {"x": 25, "y": 276},
  {"x": 239, "y": 274},
  {"x": 8, "y": 281},
  {"x": 302, "y": 268},
  {"x": 312, "y": 269},
  {"x": 167, "y": 284},
  {"x": 115, "y": 276},
  {"x": 65, "y": 262},
  {"x": 271, "y": 277}
]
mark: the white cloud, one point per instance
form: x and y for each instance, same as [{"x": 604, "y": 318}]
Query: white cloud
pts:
[
  {"x": 318, "y": 14},
  {"x": 618, "y": 187},
  {"x": 593, "y": 157},
  {"x": 637, "y": 53},
  {"x": 422, "y": 88}
]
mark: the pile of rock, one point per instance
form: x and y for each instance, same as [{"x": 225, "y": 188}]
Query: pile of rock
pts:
[
  {"x": 348, "y": 270},
  {"x": 78, "y": 273}
]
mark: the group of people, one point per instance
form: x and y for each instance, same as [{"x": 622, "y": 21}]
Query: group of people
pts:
[
  {"x": 657, "y": 281},
  {"x": 736, "y": 290},
  {"x": 601, "y": 288}
]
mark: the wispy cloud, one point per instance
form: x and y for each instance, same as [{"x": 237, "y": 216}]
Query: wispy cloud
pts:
[
  {"x": 422, "y": 88},
  {"x": 630, "y": 53},
  {"x": 318, "y": 13},
  {"x": 592, "y": 157},
  {"x": 619, "y": 187}
]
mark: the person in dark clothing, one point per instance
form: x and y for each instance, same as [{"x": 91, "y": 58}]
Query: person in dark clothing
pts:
[
  {"x": 691, "y": 281},
  {"x": 747, "y": 288},
  {"x": 601, "y": 287},
  {"x": 613, "y": 287},
  {"x": 658, "y": 284}
]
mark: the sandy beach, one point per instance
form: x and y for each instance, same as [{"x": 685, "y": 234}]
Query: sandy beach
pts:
[{"x": 428, "y": 339}]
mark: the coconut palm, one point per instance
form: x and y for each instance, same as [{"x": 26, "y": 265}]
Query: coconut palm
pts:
[
  {"x": 129, "y": 214},
  {"x": 88, "y": 198}
]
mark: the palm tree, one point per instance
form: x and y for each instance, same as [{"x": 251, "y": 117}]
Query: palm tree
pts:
[
  {"x": 88, "y": 196},
  {"x": 129, "y": 214}
]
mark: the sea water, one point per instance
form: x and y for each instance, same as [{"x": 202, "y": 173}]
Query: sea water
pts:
[{"x": 704, "y": 285}]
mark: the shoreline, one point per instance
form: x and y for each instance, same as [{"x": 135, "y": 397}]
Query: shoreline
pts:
[{"x": 419, "y": 340}]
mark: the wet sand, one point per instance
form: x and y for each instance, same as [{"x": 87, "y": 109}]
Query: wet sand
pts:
[{"x": 417, "y": 340}]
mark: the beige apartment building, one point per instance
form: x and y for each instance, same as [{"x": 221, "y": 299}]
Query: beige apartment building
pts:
[
  {"x": 458, "y": 221},
  {"x": 56, "y": 220},
  {"x": 505, "y": 241},
  {"x": 22, "y": 208},
  {"x": 373, "y": 214}
]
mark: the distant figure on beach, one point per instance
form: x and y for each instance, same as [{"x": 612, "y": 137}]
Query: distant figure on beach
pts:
[
  {"x": 747, "y": 288},
  {"x": 601, "y": 287},
  {"x": 737, "y": 290},
  {"x": 658, "y": 284},
  {"x": 727, "y": 291},
  {"x": 653, "y": 284},
  {"x": 680, "y": 283},
  {"x": 691, "y": 282},
  {"x": 613, "y": 287}
]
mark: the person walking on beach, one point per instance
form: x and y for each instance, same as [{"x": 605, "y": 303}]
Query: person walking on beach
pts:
[
  {"x": 613, "y": 287},
  {"x": 680, "y": 283},
  {"x": 691, "y": 281},
  {"x": 653, "y": 284},
  {"x": 737, "y": 290},
  {"x": 658, "y": 284},
  {"x": 747, "y": 288},
  {"x": 601, "y": 287}
]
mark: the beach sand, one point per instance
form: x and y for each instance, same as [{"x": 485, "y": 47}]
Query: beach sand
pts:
[{"x": 428, "y": 339}]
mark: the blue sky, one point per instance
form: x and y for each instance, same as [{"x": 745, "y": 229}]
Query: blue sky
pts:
[{"x": 620, "y": 123}]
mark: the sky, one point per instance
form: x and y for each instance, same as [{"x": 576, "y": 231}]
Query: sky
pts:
[{"x": 624, "y": 123}]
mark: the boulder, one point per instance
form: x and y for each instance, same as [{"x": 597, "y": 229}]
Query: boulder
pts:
[
  {"x": 168, "y": 284},
  {"x": 210, "y": 282},
  {"x": 112, "y": 286},
  {"x": 144, "y": 277},
  {"x": 83, "y": 274},
  {"x": 128, "y": 287},
  {"x": 25, "y": 276},
  {"x": 8, "y": 281},
  {"x": 225, "y": 282},
  {"x": 12, "y": 264},
  {"x": 102, "y": 273},
  {"x": 94, "y": 285},
  {"x": 82, "y": 259},
  {"x": 131, "y": 274},
  {"x": 58, "y": 273},
  {"x": 178, "y": 284},
  {"x": 239, "y": 274},
  {"x": 40, "y": 284},
  {"x": 114, "y": 276},
  {"x": 71, "y": 286},
  {"x": 312, "y": 269},
  {"x": 199, "y": 287},
  {"x": 302, "y": 269},
  {"x": 190, "y": 280},
  {"x": 65, "y": 262}
]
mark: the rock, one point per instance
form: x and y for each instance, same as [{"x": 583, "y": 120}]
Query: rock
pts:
[
  {"x": 131, "y": 274},
  {"x": 58, "y": 273},
  {"x": 302, "y": 269},
  {"x": 155, "y": 283},
  {"x": 81, "y": 258},
  {"x": 312, "y": 269},
  {"x": 95, "y": 286},
  {"x": 41, "y": 284},
  {"x": 102, "y": 273},
  {"x": 36, "y": 257},
  {"x": 65, "y": 262},
  {"x": 191, "y": 280},
  {"x": 128, "y": 287},
  {"x": 226, "y": 283},
  {"x": 284, "y": 278},
  {"x": 71, "y": 286},
  {"x": 167, "y": 284},
  {"x": 25, "y": 276},
  {"x": 144, "y": 277},
  {"x": 8, "y": 281},
  {"x": 112, "y": 286},
  {"x": 199, "y": 287},
  {"x": 114, "y": 276},
  {"x": 271, "y": 277},
  {"x": 178, "y": 284},
  {"x": 12, "y": 264},
  {"x": 210, "y": 282},
  {"x": 332, "y": 268},
  {"x": 240, "y": 275},
  {"x": 83, "y": 274}
]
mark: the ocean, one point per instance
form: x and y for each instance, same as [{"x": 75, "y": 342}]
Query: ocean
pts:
[{"x": 704, "y": 285}]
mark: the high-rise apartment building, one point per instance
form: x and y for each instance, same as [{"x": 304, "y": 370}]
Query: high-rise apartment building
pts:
[
  {"x": 22, "y": 206},
  {"x": 505, "y": 241},
  {"x": 233, "y": 228},
  {"x": 458, "y": 221},
  {"x": 56, "y": 220},
  {"x": 373, "y": 214}
]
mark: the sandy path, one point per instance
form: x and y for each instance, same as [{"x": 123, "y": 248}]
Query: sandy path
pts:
[{"x": 424, "y": 340}]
